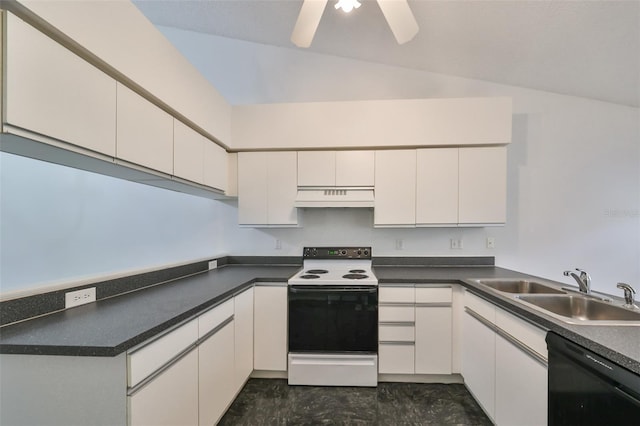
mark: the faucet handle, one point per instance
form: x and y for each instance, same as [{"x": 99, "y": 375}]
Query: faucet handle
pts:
[{"x": 629, "y": 292}]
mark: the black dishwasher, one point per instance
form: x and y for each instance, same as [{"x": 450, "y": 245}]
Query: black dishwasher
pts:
[{"x": 587, "y": 389}]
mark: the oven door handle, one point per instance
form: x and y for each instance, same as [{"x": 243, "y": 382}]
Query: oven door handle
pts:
[{"x": 333, "y": 289}]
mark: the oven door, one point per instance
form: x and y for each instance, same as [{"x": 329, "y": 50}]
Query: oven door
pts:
[{"x": 333, "y": 319}]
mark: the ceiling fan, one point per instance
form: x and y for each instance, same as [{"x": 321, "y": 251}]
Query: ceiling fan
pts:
[{"x": 397, "y": 13}]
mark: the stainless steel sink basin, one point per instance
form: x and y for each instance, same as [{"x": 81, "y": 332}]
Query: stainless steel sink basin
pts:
[
  {"x": 520, "y": 286},
  {"x": 579, "y": 309}
]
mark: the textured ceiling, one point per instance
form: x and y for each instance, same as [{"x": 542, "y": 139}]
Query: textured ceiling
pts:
[{"x": 584, "y": 48}]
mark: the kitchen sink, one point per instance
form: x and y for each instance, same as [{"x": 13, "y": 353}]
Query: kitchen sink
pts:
[
  {"x": 519, "y": 286},
  {"x": 583, "y": 310}
]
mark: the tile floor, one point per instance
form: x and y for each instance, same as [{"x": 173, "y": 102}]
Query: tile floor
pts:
[{"x": 273, "y": 402}]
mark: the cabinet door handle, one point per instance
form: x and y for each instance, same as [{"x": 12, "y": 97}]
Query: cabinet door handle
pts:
[
  {"x": 509, "y": 338},
  {"x": 132, "y": 391}
]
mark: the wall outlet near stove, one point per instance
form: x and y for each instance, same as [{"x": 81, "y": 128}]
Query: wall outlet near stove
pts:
[
  {"x": 456, "y": 243},
  {"x": 79, "y": 297},
  {"x": 213, "y": 264}
]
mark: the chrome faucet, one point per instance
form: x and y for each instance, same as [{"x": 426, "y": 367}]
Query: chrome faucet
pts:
[
  {"x": 583, "y": 280},
  {"x": 629, "y": 292}
]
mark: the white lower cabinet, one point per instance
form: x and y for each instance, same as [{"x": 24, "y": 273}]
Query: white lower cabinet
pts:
[
  {"x": 243, "y": 323},
  {"x": 433, "y": 339},
  {"x": 171, "y": 398},
  {"x": 504, "y": 364},
  {"x": 521, "y": 387},
  {"x": 415, "y": 330},
  {"x": 270, "y": 325},
  {"x": 478, "y": 362},
  {"x": 216, "y": 381}
]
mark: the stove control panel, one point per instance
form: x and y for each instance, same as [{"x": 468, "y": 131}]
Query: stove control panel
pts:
[{"x": 325, "y": 253}]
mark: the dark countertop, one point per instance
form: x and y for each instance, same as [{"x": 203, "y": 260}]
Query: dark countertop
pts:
[
  {"x": 620, "y": 344},
  {"x": 111, "y": 326}
]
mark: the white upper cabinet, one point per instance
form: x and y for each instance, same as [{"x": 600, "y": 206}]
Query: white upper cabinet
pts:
[
  {"x": 252, "y": 188},
  {"x": 437, "y": 186},
  {"x": 482, "y": 185},
  {"x": 188, "y": 151},
  {"x": 355, "y": 168},
  {"x": 198, "y": 159},
  {"x": 391, "y": 123},
  {"x": 336, "y": 168},
  {"x": 144, "y": 132},
  {"x": 316, "y": 168},
  {"x": 52, "y": 92},
  {"x": 395, "y": 188},
  {"x": 216, "y": 165},
  {"x": 267, "y": 188}
]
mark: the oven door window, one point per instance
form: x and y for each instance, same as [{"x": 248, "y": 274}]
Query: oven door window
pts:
[{"x": 333, "y": 319}]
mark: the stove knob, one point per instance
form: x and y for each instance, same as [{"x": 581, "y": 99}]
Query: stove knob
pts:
[
  {"x": 343, "y": 252},
  {"x": 359, "y": 252},
  {"x": 307, "y": 252},
  {"x": 366, "y": 252},
  {"x": 315, "y": 252}
]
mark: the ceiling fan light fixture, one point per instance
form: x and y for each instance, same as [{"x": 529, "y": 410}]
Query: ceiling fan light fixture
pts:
[{"x": 347, "y": 5}]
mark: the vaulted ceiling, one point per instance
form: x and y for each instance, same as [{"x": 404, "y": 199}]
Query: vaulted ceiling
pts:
[{"x": 584, "y": 48}]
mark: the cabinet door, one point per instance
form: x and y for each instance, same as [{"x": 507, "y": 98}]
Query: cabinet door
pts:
[
  {"x": 521, "y": 387},
  {"x": 216, "y": 166},
  {"x": 243, "y": 323},
  {"x": 252, "y": 188},
  {"x": 270, "y": 328},
  {"x": 483, "y": 185},
  {"x": 188, "y": 153},
  {"x": 281, "y": 188},
  {"x": 355, "y": 168},
  {"x": 437, "y": 186},
  {"x": 51, "y": 91},
  {"x": 478, "y": 362},
  {"x": 217, "y": 375},
  {"x": 395, "y": 187},
  {"x": 316, "y": 168},
  {"x": 144, "y": 132},
  {"x": 433, "y": 340},
  {"x": 170, "y": 398}
]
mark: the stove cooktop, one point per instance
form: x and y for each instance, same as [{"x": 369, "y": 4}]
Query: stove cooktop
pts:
[{"x": 335, "y": 266}]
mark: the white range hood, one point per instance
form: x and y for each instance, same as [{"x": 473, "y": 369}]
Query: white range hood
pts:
[{"x": 334, "y": 197}]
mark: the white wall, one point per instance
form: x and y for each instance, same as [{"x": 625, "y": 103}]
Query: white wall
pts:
[
  {"x": 573, "y": 164},
  {"x": 60, "y": 224}
]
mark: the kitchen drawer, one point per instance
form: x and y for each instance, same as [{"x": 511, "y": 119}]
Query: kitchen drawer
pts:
[
  {"x": 433, "y": 295},
  {"x": 480, "y": 307},
  {"x": 396, "y": 313},
  {"x": 396, "y": 333},
  {"x": 396, "y": 294},
  {"x": 214, "y": 317},
  {"x": 396, "y": 358},
  {"x": 144, "y": 361}
]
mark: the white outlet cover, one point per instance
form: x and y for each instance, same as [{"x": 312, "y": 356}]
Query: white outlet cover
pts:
[{"x": 79, "y": 297}]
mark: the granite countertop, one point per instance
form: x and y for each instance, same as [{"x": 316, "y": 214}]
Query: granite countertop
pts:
[{"x": 111, "y": 326}]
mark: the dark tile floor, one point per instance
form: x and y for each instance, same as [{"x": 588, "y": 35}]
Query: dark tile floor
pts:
[{"x": 273, "y": 402}]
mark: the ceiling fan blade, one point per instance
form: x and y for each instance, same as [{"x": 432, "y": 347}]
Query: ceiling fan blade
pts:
[
  {"x": 307, "y": 22},
  {"x": 400, "y": 19}
]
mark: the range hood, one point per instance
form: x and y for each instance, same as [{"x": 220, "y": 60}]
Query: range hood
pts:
[{"x": 334, "y": 197}]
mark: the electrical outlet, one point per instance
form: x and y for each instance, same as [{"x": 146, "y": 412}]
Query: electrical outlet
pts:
[
  {"x": 456, "y": 243},
  {"x": 79, "y": 297},
  {"x": 491, "y": 242},
  {"x": 399, "y": 244},
  {"x": 213, "y": 264},
  {"x": 278, "y": 244}
]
